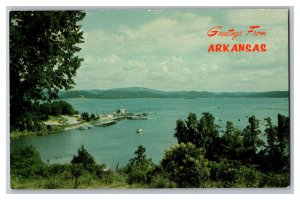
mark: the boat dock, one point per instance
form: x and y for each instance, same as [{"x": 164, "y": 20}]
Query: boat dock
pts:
[{"x": 106, "y": 123}]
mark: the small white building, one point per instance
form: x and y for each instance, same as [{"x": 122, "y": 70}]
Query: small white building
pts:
[{"x": 122, "y": 111}]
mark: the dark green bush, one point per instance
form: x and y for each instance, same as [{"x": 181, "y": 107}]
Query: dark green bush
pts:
[
  {"x": 234, "y": 174},
  {"x": 85, "y": 158},
  {"x": 100, "y": 170},
  {"x": 26, "y": 162},
  {"x": 186, "y": 166}
]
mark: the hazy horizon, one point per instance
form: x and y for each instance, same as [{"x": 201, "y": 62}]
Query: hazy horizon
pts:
[{"x": 137, "y": 87}]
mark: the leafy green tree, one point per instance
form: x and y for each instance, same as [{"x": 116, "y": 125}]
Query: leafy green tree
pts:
[
  {"x": 46, "y": 108},
  {"x": 26, "y": 162},
  {"x": 208, "y": 136},
  {"x": 186, "y": 131},
  {"x": 231, "y": 142},
  {"x": 272, "y": 149},
  {"x": 42, "y": 57},
  {"x": 56, "y": 108},
  {"x": 85, "y": 116},
  {"x": 251, "y": 140},
  {"x": 139, "y": 166},
  {"x": 85, "y": 158},
  {"x": 181, "y": 132},
  {"x": 283, "y": 132},
  {"x": 186, "y": 165},
  {"x": 92, "y": 117},
  {"x": 66, "y": 108},
  {"x": 277, "y": 149},
  {"x": 203, "y": 133}
]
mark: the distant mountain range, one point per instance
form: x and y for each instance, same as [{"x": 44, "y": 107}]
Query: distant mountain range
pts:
[{"x": 140, "y": 92}]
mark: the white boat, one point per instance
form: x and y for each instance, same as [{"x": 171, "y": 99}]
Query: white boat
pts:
[{"x": 139, "y": 130}]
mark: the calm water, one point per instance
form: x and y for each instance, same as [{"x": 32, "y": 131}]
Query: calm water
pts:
[{"x": 116, "y": 144}]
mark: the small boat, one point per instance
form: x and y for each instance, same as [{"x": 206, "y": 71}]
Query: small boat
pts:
[{"x": 139, "y": 130}]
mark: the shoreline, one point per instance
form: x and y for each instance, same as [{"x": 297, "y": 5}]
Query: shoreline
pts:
[{"x": 59, "y": 124}]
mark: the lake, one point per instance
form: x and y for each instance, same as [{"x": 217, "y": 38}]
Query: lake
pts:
[{"x": 116, "y": 144}]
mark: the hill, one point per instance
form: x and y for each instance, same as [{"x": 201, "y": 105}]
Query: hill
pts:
[{"x": 140, "y": 92}]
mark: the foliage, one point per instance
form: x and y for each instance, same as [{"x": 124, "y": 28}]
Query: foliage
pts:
[
  {"x": 242, "y": 161},
  {"x": 93, "y": 117},
  {"x": 276, "y": 180},
  {"x": 231, "y": 142},
  {"x": 42, "y": 57},
  {"x": 234, "y": 173},
  {"x": 203, "y": 133},
  {"x": 186, "y": 165},
  {"x": 139, "y": 166},
  {"x": 85, "y": 158},
  {"x": 208, "y": 138},
  {"x": 76, "y": 171},
  {"x": 57, "y": 108},
  {"x": 85, "y": 116},
  {"x": 26, "y": 162},
  {"x": 251, "y": 140},
  {"x": 276, "y": 153},
  {"x": 100, "y": 170},
  {"x": 283, "y": 134}
]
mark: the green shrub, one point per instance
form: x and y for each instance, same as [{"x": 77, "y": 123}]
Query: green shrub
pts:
[
  {"x": 52, "y": 184},
  {"x": 26, "y": 162},
  {"x": 186, "y": 166},
  {"x": 276, "y": 180},
  {"x": 56, "y": 169},
  {"x": 77, "y": 170},
  {"x": 161, "y": 181},
  {"x": 234, "y": 174},
  {"x": 100, "y": 170}
]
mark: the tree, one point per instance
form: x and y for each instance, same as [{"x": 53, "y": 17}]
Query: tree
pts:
[
  {"x": 92, "y": 117},
  {"x": 46, "y": 108},
  {"x": 66, "y": 108},
  {"x": 272, "y": 150},
  {"x": 231, "y": 142},
  {"x": 56, "y": 108},
  {"x": 139, "y": 166},
  {"x": 277, "y": 150},
  {"x": 208, "y": 136},
  {"x": 186, "y": 165},
  {"x": 283, "y": 132},
  {"x": 203, "y": 133},
  {"x": 85, "y": 116},
  {"x": 26, "y": 162},
  {"x": 186, "y": 130},
  {"x": 85, "y": 158},
  {"x": 251, "y": 140},
  {"x": 76, "y": 172},
  {"x": 42, "y": 57}
]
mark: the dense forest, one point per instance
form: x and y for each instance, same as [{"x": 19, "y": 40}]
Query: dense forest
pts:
[{"x": 205, "y": 157}]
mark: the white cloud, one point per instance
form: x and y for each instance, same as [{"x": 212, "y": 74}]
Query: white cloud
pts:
[
  {"x": 169, "y": 52},
  {"x": 263, "y": 17}
]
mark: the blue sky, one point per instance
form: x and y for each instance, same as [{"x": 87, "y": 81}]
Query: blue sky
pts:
[{"x": 167, "y": 50}]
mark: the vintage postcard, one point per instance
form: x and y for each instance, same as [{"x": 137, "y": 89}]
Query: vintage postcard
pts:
[{"x": 149, "y": 98}]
